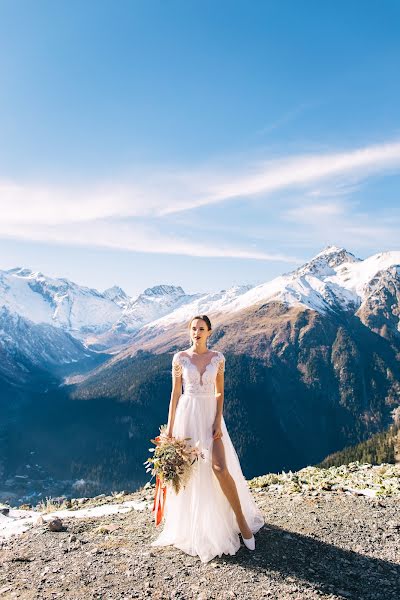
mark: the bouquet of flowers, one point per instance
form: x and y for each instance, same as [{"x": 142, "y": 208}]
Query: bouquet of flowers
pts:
[{"x": 172, "y": 464}]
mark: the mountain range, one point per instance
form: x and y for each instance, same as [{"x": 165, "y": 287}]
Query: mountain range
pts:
[{"x": 334, "y": 280}]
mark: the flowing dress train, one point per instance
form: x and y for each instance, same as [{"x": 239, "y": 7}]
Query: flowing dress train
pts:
[{"x": 199, "y": 519}]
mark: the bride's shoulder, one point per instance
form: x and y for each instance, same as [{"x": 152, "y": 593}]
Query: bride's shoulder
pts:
[
  {"x": 182, "y": 353},
  {"x": 179, "y": 355}
]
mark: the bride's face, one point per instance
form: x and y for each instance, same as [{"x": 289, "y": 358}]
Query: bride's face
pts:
[{"x": 199, "y": 331}]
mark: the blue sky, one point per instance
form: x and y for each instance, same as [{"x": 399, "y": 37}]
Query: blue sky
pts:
[{"x": 203, "y": 144}]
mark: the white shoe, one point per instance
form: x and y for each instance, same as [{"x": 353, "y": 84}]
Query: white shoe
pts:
[{"x": 250, "y": 543}]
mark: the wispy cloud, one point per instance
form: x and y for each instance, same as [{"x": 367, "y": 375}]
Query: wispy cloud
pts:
[
  {"x": 157, "y": 193},
  {"x": 319, "y": 223},
  {"x": 302, "y": 171},
  {"x": 136, "y": 213},
  {"x": 133, "y": 237}
]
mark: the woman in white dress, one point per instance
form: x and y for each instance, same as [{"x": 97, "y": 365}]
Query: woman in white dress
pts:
[{"x": 205, "y": 518}]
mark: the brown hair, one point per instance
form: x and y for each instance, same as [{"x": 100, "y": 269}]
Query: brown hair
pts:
[{"x": 203, "y": 318}]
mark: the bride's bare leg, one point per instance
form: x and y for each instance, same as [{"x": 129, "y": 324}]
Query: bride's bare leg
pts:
[{"x": 228, "y": 486}]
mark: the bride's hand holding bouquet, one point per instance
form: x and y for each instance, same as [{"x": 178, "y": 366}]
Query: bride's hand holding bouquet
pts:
[{"x": 171, "y": 463}]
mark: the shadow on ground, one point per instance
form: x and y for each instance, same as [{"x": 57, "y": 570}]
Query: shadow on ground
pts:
[{"x": 332, "y": 570}]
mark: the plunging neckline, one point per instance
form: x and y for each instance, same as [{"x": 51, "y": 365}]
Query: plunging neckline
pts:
[{"x": 197, "y": 369}]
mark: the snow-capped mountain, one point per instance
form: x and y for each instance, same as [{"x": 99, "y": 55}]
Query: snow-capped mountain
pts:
[
  {"x": 152, "y": 304},
  {"x": 85, "y": 313},
  {"x": 200, "y": 303},
  {"x": 117, "y": 295},
  {"x": 333, "y": 279},
  {"x": 57, "y": 302}
]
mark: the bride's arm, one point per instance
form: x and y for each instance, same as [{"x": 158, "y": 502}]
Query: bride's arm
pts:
[
  {"x": 219, "y": 389},
  {"x": 175, "y": 394}
]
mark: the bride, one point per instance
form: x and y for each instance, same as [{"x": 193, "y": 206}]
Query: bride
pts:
[{"x": 205, "y": 518}]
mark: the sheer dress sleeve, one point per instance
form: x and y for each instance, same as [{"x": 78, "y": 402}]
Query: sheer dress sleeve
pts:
[
  {"x": 221, "y": 364},
  {"x": 176, "y": 366}
]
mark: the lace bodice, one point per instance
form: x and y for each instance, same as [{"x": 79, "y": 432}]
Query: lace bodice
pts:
[{"x": 193, "y": 380}]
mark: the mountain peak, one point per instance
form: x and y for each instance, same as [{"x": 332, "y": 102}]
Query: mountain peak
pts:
[
  {"x": 164, "y": 290},
  {"x": 24, "y": 272},
  {"x": 336, "y": 252},
  {"x": 115, "y": 293},
  {"x": 325, "y": 262},
  {"x": 331, "y": 249}
]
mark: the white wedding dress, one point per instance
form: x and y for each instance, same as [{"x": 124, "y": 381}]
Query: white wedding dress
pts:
[{"x": 199, "y": 519}]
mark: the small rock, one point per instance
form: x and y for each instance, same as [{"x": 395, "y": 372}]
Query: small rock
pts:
[
  {"x": 56, "y": 524},
  {"x": 22, "y": 558}
]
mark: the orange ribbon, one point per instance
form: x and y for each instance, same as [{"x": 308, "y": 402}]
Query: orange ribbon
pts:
[
  {"x": 159, "y": 496},
  {"x": 159, "y": 501}
]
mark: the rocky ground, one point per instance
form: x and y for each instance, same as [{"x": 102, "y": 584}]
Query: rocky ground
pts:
[{"x": 316, "y": 543}]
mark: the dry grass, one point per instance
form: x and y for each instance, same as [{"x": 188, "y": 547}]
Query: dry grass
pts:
[{"x": 49, "y": 506}]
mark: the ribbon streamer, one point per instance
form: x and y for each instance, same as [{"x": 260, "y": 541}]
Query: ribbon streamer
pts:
[{"x": 159, "y": 501}]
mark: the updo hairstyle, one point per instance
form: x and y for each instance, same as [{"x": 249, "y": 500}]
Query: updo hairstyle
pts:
[{"x": 203, "y": 318}]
